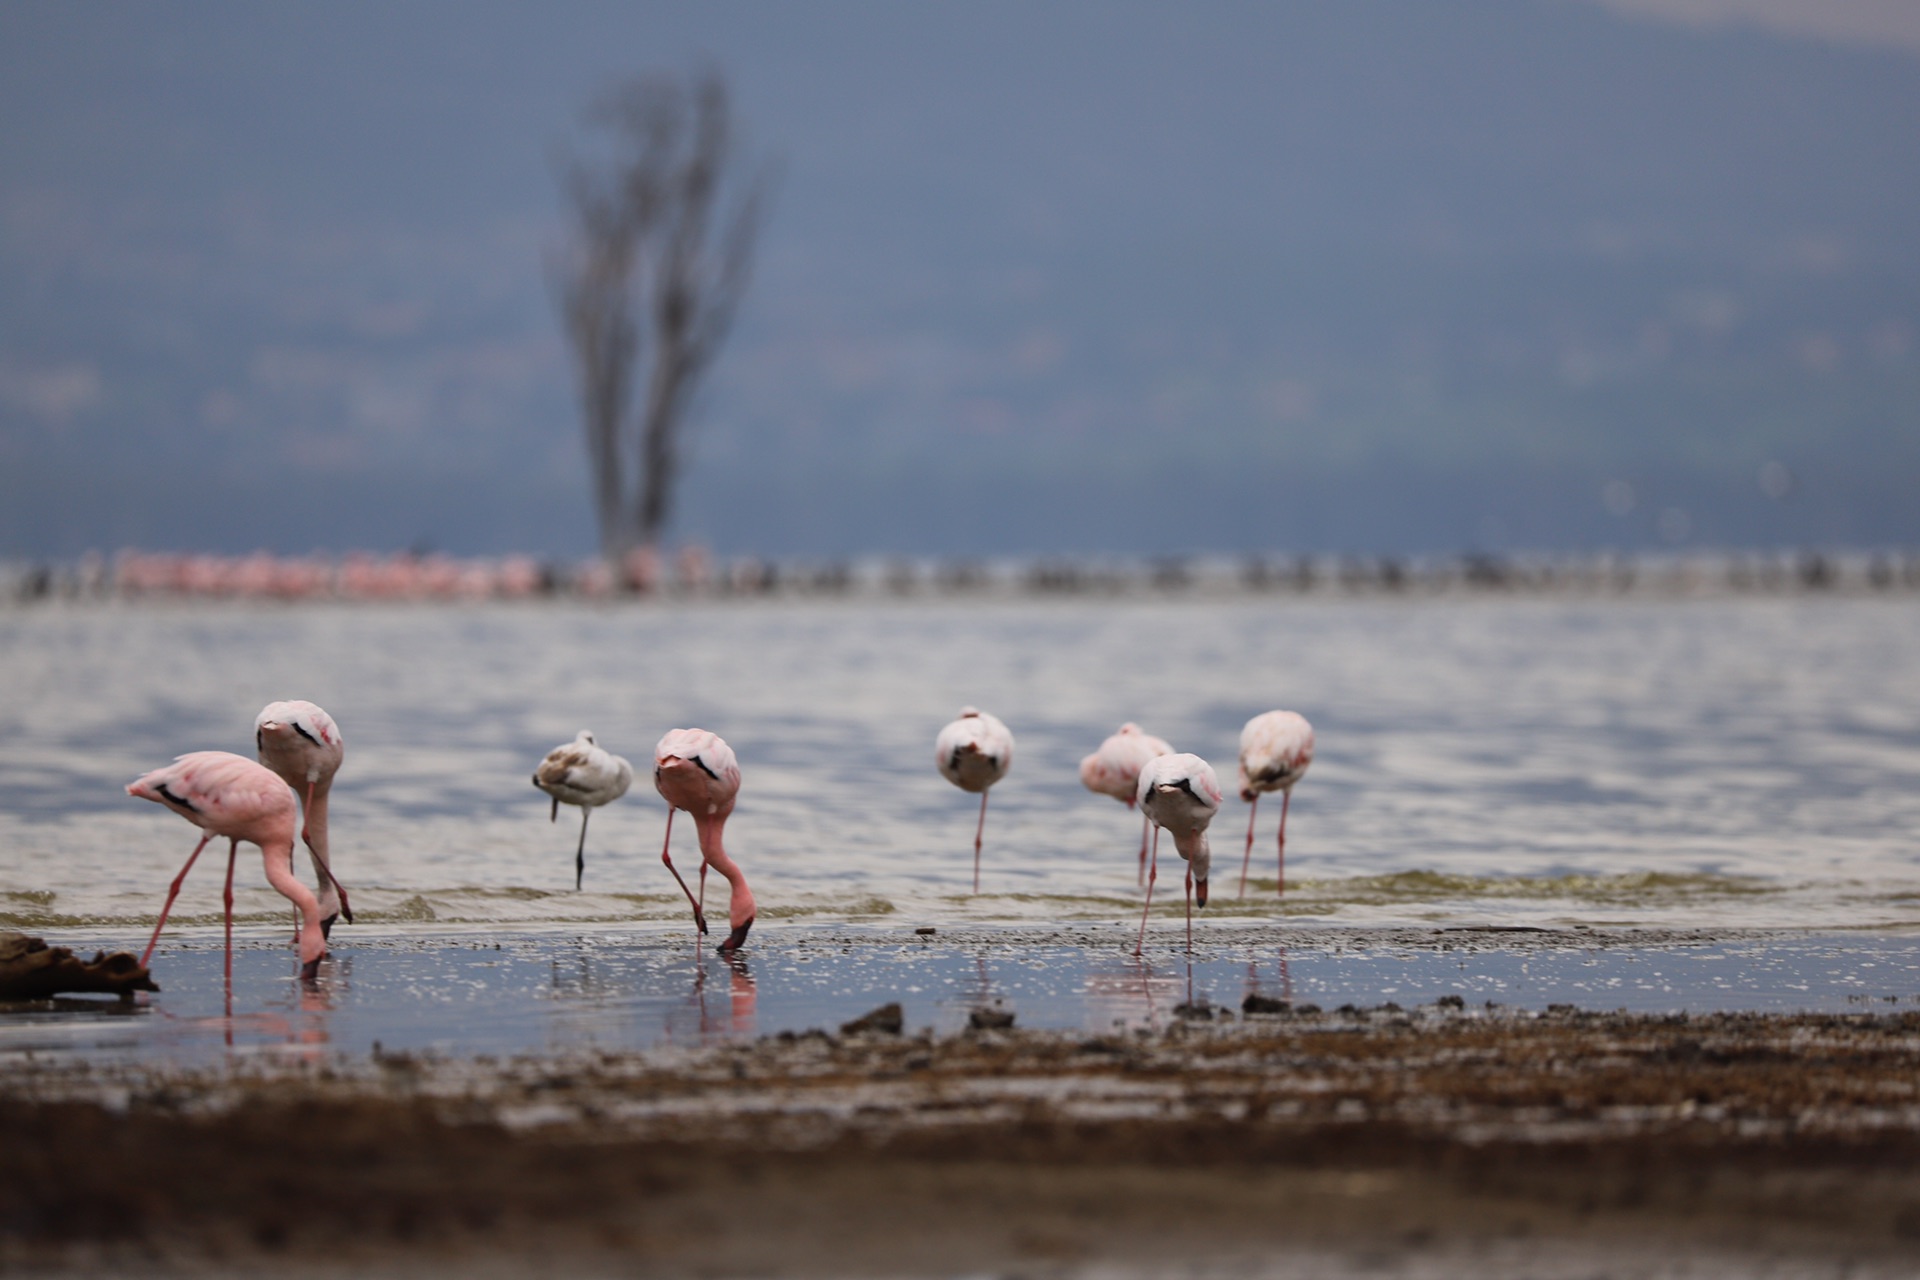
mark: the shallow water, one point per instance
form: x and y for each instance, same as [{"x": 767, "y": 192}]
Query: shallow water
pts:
[
  {"x": 548, "y": 992},
  {"x": 1748, "y": 763}
]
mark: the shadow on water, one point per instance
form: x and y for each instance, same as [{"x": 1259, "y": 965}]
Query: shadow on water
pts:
[{"x": 614, "y": 991}]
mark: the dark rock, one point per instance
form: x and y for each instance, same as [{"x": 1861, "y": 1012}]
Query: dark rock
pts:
[
  {"x": 1255, "y": 1003},
  {"x": 926, "y": 930},
  {"x": 990, "y": 1019},
  {"x": 1451, "y": 1002},
  {"x": 31, "y": 970},
  {"x": 888, "y": 1019},
  {"x": 1199, "y": 1011}
]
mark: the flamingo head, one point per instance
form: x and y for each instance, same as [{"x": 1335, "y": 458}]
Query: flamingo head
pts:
[{"x": 737, "y": 938}]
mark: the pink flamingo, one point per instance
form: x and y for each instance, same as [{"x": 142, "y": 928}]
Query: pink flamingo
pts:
[
  {"x": 1275, "y": 750},
  {"x": 300, "y": 742},
  {"x": 1180, "y": 793},
  {"x": 1114, "y": 770},
  {"x": 695, "y": 770},
  {"x": 973, "y": 753},
  {"x": 584, "y": 773},
  {"x": 228, "y": 795}
]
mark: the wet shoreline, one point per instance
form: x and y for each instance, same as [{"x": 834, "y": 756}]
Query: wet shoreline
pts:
[{"x": 1381, "y": 1141}]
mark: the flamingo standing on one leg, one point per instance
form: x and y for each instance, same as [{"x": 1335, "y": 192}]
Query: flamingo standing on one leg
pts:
[
  {"x": 695, "y": 770},
  {"x": 973, "y": 753},
  {"x": 1275, "y": 750},
  {"x": 300, "y": 742},
  {"x": 584, "y": 773},
  {"x": 1114, "y": 770},
  {"x": 1180, "y": 793},
  {"x": 228, "y": 795}
]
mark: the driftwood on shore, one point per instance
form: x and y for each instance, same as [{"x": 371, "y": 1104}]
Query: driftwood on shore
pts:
[{"x": 32, "y": 970}]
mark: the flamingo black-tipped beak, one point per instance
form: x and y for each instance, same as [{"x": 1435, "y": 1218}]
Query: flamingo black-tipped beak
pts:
[
  {"x": 737, "y": 938},
  {"x": 326, "y": 927},
  {"x": 700, "y": 919},
  {"x": 311, "y": 969},
  {"x": 1200, "y": 893}
]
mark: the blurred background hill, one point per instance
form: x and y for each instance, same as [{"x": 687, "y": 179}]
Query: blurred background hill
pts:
[{"x": 1366, "y": 275}]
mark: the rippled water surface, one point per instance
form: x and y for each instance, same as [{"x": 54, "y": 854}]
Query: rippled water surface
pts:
[
  {"x": 605, "y": 989},
  {"x": 1698, "y": 763}
]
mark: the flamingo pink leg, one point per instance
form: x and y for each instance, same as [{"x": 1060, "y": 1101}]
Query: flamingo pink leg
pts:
[
  {"x": 699, "y": 916},
  {"x": 1247, "y": 860},
  {"x": 173, "y": 893},
  {"x": 1145, "y": 822},
  {"x": 978, "y": 833},
  {"x": 1286, "y": 798},
  {"x": 226, "y": 900},
  {"x": 702, "y": 903},
  {"x": 1153, "y": 873},
  {"x": 1189, "y": 920}
]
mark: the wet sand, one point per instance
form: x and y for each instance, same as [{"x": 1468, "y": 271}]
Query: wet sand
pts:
[{"x": 1436, "y": 1140}]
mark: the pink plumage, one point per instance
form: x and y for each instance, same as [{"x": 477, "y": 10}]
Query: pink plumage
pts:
[
  {"x": 695, "y": 770},
  {"x": 1114, "y": 770},
  {"x": 300, "y": 741},
  {"x": 228, "y": 795},
  {"x": 1275, "y": 750}
]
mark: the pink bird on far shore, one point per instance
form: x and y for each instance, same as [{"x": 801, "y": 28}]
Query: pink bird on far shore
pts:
[
  {"x": 300, "y": 742},
  {"x": 1180, "y": 793},
  {"x": 1275, "y": 750},
  {"x": 228, "y": 795},
  {"x": 1114, "y": 770},
  {"x": 973, "y": 753},
  {"x": 695, "y": 770}
]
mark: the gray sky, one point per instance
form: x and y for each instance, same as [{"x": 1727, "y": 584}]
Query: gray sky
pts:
[{"x": 1379, "y": 275}]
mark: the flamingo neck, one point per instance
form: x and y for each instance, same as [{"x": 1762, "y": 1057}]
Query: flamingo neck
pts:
[
  {"x": 316, "y": 818},
  {"x": 740, "y": 908}
]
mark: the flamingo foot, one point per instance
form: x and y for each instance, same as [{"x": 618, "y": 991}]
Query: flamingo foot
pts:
[{"x": 737, "y": 938}]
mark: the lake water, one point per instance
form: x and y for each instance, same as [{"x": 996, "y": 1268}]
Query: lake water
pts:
[{"x": 1699, "y": 764}]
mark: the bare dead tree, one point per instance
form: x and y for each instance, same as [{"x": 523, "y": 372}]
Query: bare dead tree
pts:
[{"x": 648, "y": 283}]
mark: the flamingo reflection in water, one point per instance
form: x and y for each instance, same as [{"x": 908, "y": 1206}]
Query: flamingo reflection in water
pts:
[{"x": 743, "y": 998}]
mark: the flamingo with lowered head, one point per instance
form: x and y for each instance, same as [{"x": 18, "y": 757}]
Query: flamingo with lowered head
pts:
[
  {"x": 228, "y": 795},
  {"x": 1275, "y": 750},
  {"x": 584, "y": 773},
  {"x": 1180, "y": 793},
  {"x": 973, "y": 753},
  {"x": 1114, "y": 770},
  {"x": 695, "y": 770},
  {"x": 300, "y": 742}
]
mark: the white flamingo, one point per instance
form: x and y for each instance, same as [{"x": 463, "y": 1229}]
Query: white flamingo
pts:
[
  {"x": 300, "y": 742},
  {"x": 1180, "y": 793},
  {"x": 1114, "y": 770},
  {"x": 973, "y": 753},
  {"x": 1275, "y": 750},
  {"x": 584, "y": 773}
]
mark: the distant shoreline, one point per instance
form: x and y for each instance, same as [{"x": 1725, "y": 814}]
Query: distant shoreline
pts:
[{"x": 694, "y": 574}]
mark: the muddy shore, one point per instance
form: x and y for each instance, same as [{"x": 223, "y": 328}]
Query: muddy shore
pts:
[{"x": 1384, "y": 1141}]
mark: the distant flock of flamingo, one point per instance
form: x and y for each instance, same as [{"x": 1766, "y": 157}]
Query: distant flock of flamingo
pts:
[{"x": 300, "y": 749}]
